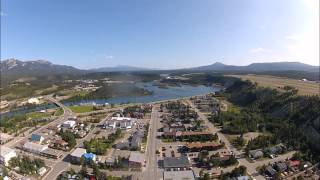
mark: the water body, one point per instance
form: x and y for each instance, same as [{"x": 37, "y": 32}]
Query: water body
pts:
[
  {"x": 158, "y": 94},
  {"x": 27, "y": 109}
]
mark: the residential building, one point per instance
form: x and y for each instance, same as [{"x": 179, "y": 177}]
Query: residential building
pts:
[
  {"x": 6, "y": 154},
  {"x": 89, "y": 156},
  {"x": 42, "y": 171},
  {"x": 179, "y": 175},
  {"x": 256, "y": 154},
  {"x": 33, "y": 101},
  {"x": 4, "y": 138}
]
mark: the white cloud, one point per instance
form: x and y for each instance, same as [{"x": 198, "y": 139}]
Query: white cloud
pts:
[
  {"x": 260, "y": 50},
  {"x": 108, "y": 57}
]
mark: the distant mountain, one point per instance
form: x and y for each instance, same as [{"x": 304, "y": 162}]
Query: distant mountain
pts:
[
  {"x": 13, "y": 69},
  {"x": 260, "y": 67},
  {"x": 120, "y": 68}
]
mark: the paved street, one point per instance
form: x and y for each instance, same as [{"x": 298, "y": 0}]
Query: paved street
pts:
[{"x": 152, "y": 171}]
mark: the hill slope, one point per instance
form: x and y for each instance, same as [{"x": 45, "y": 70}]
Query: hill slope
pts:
[{"x": 260, "y": 67}]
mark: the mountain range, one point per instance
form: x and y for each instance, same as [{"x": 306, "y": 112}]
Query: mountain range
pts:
[{"x": 13, "y": 69}]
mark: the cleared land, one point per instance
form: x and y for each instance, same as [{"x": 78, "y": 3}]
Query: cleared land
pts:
[
  {"x": 304, "y": 87},
  {"x": 81, "y": 109}
]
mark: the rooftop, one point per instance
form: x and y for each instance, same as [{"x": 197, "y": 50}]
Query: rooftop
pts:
[
  {"x": 136, "y": 157},
  {"x": 178, "y": 175},
  {"x": 5, "y": 150},
  {"x": 172, "y": 162},
  {"x": 78, "y": 152}
]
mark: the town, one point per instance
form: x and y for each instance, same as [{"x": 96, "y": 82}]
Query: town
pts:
[{"x": 173, "y": 139}]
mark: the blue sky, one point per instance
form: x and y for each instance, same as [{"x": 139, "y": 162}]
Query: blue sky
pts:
[{"x": 160, "y": 34}]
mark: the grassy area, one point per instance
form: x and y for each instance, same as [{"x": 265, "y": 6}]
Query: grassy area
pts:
[
  {"x": 58, "y": 112},
  {"x": 37, "y": 115},
  {"x": 304, "y": 88},
  {"x": 81, "y": 109}
]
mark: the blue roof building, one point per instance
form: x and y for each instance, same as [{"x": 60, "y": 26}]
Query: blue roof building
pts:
[
  {"x": 89, "y": 156},
  {"x": 37, "y": 138}
]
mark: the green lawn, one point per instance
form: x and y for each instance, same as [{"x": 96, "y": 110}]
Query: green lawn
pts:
[
  {"x": 81, "y": 109},
  {"x": 59, "y": 112},
  {"x": 37, "y": 115}
]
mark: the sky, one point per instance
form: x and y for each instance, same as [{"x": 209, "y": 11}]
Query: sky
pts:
[{"x": 163, "y": 34}]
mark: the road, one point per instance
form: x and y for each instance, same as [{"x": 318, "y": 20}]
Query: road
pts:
[{"x": 152, "y": 171}]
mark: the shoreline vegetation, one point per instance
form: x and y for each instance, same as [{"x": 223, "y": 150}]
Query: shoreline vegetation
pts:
[{"x": 111, "y": 91}]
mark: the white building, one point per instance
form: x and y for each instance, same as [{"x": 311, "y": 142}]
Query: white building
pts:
[
  {"x": 34, "y": 147},
  {"x": 77, "y": 154},
  {"x": 6, "y": 154},
  {"x": 69, "y": 124},
  {"x": 118, "y": 118},
  {"x": 33, "y": 101},
  {"x": 42, "y": 171}
]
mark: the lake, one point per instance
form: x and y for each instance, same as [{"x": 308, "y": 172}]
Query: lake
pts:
[{"x": 159, "y": 94}]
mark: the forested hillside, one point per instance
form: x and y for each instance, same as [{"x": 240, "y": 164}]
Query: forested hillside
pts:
[{"x": 292, "y": 119}]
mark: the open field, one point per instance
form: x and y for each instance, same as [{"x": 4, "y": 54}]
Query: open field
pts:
[
  {"x": 305, "y": 88},
  {"x": 81, "y": 109}
]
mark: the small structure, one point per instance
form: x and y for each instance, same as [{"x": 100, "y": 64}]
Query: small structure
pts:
[
  {"x": 281, "y": 166},
  {"x": 270, "y": 171},
  {"x": 243, "y": 178},
  {"x": 256, "y": 154},
  {"x": 4, "y": 138},
  {"x": 37, "y": 138},
  {"x": 179, "y": 175},
  {"x": 34, "y": 147},
  {"x": 6, "y": 154},
  {"x": 136, "y": 160},
  {"x": 42, "y": 171},
  {"x": 69, "y": 124},
  {"x": 89, "y": 156},
  {"x": 33, "y": 101},
  {"x": 176, "y": 163},
  {"x": 76, "y": 155}
]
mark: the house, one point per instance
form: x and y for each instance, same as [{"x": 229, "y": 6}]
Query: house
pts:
[
  {"x": 179, "y": 175},
  {"x": 110, "y": 161},
  {"x": 256, "y": 154},
  {"x": 6, "y": 154},
  {"x": 60, "y": 144},
  {"x": 136, "y": 160},
  {"x": 4, "y": 104},
  {"x": 76, "y": 155},
  {"x": 34, "y": 147},
  {"x": 89, "y": 156},
  {"x": 42, "y": 171},
  {"x": 176, "y": 163},
  {"x": 293, "y": 164},
  {"x": 37, "y": 138},
  {"x": 69, "y": 124},
  {"x": 4, "y": 138},
  {"x": 33, "y": 101},
  {"x": 281, "y": 166},
  {"x": 270, "y": 171}
]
